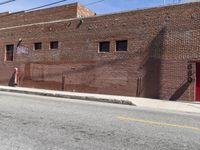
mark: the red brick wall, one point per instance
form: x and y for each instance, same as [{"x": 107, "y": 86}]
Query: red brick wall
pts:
[
  {"x": 45, "y": 15},
  {"x": 161, "y": 42},
  {"x": 83, "y": 11}
]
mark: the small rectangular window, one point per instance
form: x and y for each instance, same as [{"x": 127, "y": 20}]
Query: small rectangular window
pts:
[
  {"x": 38, "y": 46},
  {"x": 104, "y": 46},
  {"x": 121, "y": 45},
  {"x": 9, "y": 52},
  {"x": 54, "y": 45}
]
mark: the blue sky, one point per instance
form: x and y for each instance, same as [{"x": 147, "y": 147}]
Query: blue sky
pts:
[{"x": 107, "y": 6}]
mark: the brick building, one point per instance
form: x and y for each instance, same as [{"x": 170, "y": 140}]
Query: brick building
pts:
[{"x": 150, "y": 53}]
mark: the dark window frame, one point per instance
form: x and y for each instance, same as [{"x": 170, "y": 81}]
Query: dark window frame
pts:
[
  {"x": 121, "y": 45},
  {"x": 38, "y": 46},
  {"x": 54, "y": 45},
  {"x": 9, "y": 52},
  {"x": 104, "y": 47}
]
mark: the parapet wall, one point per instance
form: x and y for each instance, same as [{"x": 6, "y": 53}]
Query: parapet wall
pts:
[{"x": 69, "y": 11}]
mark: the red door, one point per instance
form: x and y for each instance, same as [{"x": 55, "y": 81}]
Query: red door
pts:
[{"x": 197, "y": 81}]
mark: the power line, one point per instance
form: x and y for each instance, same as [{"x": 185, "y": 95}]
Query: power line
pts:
[
  {"x": 31, "y": 9},
  {"x": 35, "y": 8},
  {"x": 5, "y": 2},
  {"x": 93, "y": 3}
]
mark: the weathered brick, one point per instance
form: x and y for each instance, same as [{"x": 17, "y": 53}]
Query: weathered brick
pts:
[{"x": 161, "y": 43}]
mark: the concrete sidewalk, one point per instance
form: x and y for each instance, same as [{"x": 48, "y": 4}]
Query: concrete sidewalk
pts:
[{"x": 135, "y": 101}]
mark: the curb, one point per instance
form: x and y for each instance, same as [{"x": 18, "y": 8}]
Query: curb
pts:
[{"x": 86, "y": 98}]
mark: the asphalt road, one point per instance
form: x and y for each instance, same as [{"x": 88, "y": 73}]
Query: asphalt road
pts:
[{"x": 30, "y": 122}]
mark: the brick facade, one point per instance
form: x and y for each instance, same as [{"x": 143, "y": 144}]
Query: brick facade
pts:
[{"x": 162, "y": 42}]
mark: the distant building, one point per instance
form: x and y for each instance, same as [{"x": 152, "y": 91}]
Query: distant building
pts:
[{"x": 152, "y": 53}]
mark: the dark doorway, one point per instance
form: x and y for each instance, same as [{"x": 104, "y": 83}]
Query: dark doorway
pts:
[
  {"x": 197, "y": 81},
  {"x": 9, "y": 52}
]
